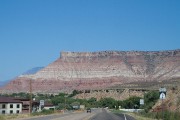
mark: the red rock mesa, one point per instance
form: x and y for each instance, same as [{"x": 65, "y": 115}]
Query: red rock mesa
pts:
[{"x": 97, "y": 70}]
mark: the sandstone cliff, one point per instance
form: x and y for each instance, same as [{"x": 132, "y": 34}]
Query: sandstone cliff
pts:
[{"x": 96, "y": 70}]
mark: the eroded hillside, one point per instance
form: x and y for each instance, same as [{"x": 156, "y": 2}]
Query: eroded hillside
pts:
[{"x": 92, "y": 70}]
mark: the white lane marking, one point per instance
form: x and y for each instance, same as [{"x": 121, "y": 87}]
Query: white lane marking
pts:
[{"x": 125, "y": 117}]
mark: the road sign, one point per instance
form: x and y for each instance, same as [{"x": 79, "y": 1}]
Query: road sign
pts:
[
  {"x": 141, "y": 101},
  {"x": 162, "y": 96},
  {"x": 162, "y": 89},
  {"x": 41, "y": 102}
]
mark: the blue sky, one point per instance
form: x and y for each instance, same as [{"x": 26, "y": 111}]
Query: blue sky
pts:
[{"x": 33, "y": 32}]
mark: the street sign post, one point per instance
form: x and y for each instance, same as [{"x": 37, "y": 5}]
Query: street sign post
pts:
[
  {"x": 162, "y": 96},
  {"x": 41, "y": 102}
]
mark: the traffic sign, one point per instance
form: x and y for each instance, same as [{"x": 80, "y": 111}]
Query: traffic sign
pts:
[
  {"x": 141, "y": 101},
  {"x": 41, "y": 102},
  {"x": 162, "y": 96},
  {"x": 162, "y": 89}
]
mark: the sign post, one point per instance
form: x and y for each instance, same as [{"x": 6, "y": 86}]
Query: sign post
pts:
[
  {"x": 41, "y": 104},
  {"x": 162, "y": 92}
]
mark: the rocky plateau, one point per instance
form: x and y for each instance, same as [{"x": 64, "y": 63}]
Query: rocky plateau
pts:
[{"x": 99, "y": 70}]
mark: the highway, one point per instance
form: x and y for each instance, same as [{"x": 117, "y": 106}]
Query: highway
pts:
[
  {"x": 106, "y": 115},
  {"x": 96, "y": 114}
]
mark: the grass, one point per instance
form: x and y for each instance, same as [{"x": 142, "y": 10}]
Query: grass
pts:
[
  {"x": 139, "y": 117},
  {"x": 13, "y": 116},
  {"x": 17, "y": 116},
  {"x": 2, "y": 117},
  {"x": 135, "y": 115}
]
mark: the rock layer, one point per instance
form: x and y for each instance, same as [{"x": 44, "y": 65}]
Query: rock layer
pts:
[{"x": 96, "y": 70}]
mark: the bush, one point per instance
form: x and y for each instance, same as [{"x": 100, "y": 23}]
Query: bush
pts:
[
  {"x": 75, "y": 92},
  {"x": 150, "y": 99},
  {"x": 46, "y": 112},
  {"x": 107, "y": 102},
  {"x": 132, "y": 102}
]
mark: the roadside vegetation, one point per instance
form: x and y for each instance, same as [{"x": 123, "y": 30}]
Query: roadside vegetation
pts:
[
  {"x": 2, "y": 117},
  {"x": 43, "y": 112},
  {"x": 13, "y": 116},
  {"x": 64, "y": 101},
  {"x": 166, "y": 115}
]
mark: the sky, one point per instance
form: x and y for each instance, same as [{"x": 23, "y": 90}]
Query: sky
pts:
[{"x": 34, "y": 32}]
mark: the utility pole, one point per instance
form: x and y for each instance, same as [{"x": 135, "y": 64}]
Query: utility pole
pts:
[
  {"x": 65, "y": 103},
  {"x": 30, "y": 95}
]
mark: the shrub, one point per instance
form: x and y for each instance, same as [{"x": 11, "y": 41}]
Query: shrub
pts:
[
  {"x": 46, "y": 112},
  {"x": 132, "y": 102},
  {"x": 150, "y": 99}
]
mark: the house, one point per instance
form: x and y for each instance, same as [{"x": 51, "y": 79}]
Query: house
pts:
[
  {"x": 9, "y": 105},
  {"x": 25, "y": 104}
]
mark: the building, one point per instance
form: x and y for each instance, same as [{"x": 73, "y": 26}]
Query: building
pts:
[
  {"x": 9, "y": 105},
  {"x": 49, "y": 106},
  {"x": 25, "y": 104}
]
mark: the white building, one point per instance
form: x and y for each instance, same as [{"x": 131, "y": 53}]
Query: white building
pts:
[{"x": 10, "y": 106}]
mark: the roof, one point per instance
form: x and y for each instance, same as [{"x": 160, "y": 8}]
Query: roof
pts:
[
  {"x": 46, "y": 104},
  {"x": 8, "y": 100}
]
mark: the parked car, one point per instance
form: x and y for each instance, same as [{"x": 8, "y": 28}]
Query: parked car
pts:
[{"x": 88, "y": 110}]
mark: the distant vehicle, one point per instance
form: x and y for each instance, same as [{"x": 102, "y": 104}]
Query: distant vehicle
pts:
[{"x": 88, "y": 110}]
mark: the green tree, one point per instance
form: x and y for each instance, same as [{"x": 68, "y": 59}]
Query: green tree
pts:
[
  {"x": 132, "y": 102},
  {"x": 57, "y": 100},
  {"x": 92, "y": 102},
  {"x": 107, "y": 102},
  {"x": 75, "y": 92},
  {"x": 150, "y": 99}
]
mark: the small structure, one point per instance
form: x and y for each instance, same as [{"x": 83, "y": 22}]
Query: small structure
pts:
[
  {"x": 9, "y": 105},
  {"x": 37, "y": 106},
  {"x": 49, "y": 106}
]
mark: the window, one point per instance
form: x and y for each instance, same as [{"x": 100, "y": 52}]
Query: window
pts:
[
  {"x": 3, "y": 111},
  {"x": 11, "y": 105},
  {"x": 3, "y": 106},
  {"x": 17, "y": 106},
  {"x": 11, "y": 111},
  {"x": 17, "y": 111}
]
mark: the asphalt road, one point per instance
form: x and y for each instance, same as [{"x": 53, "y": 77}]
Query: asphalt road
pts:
[
  {"x": 65, "y": 116},
  {"x": 96, "y": 114},
  {"x": 106, "y": 115}
]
